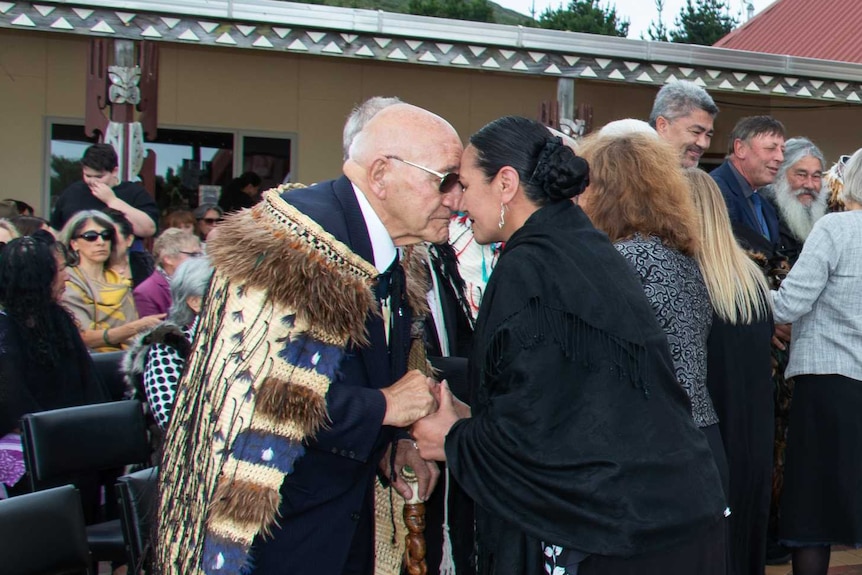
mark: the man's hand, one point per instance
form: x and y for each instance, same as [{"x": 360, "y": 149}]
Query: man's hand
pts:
[
  {"x": 781, "y": 336},
  {"x": 427, "y": 472},
  {"x": 103, "y": 192},
  {"x": 430, "y": 432},
  {"x": 408, "y": 399}
]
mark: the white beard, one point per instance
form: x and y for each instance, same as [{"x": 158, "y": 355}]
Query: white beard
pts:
[{"x": 798, "y": 217}]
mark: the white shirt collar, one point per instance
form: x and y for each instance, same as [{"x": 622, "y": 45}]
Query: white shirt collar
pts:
[{"x": 381, "y": 241}]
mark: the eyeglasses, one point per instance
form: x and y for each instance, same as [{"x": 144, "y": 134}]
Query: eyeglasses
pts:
[
  {"x": 447, "y": 181},
  {"x": 192, "y": 254},
  {"x": 93, "y": 235},
  {"x": 210, "y": 221}
]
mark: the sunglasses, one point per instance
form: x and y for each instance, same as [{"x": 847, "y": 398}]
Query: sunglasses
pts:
[
  {"x": 92, "y": 236},
  {"x": 447, "y": 181},
  {"x": 210, "y": 221}
]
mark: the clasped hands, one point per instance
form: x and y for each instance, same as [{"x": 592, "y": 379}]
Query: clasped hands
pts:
[{"x": 430, "y": 410}]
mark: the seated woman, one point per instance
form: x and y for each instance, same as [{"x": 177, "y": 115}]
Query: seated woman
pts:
[
  {"x": 578, "y": 446},
  {"x": 207, "y": 217},
  {"x": 134, "y": 264},
  {"x": 8, "y": 231},
  {"x": 179, "y": 219},
  {"x": 172, "y": 247},
  {"x": 43, "y": 362},
  {"x": 640, "y": 198},
  {"x": 155, "y": 362},
  {"x": 98, "y": 297}
]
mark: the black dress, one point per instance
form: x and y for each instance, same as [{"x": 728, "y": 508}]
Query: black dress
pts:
[
  {"x": 581, "y": 438},
  {"x": 739, "y": 378}
]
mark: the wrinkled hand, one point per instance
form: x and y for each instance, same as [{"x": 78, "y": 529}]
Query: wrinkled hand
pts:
[
  {"x": 149, "y": 322},
  {"x": 781, "y": 336},
  {"x": 430, "y": 432},
  {"x": 462, "y": 409},
  {"x": 103, "y": 192},
  {"x": 408, "y": 399},
  {"x": 427, "y": 472}
]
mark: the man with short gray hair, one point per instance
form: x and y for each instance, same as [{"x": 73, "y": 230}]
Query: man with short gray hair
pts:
[
  {"x": 361, "y": 115},
  {"x": 797, "y": 195},
  {"x": 683, "y": 115}
]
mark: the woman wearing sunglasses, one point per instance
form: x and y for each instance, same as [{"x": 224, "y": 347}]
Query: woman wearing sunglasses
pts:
[{"x": 99, "y": 298}]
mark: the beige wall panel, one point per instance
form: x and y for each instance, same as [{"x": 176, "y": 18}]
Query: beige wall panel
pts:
[
  {"x": 493, "y": 96},
  {"x": 319, "y": 155},
  {"x": 834, "y": 130},
  {"x": 169, "y": 57},
  {"x": 22, "y": 102},
  {"x": 66, "y": 75},
  {"x": 247, "y": 89}
]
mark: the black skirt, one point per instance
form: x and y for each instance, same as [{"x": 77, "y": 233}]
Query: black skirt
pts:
[{"x": 822, "y": 501}]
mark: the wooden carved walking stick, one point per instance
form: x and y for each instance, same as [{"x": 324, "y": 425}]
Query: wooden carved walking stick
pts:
[{"x": 414, "y": 518}]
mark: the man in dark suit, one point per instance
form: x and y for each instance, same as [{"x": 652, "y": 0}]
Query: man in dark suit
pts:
[
  {"x": 399, "y": 188},
  {"x": 755, "y": 155}
]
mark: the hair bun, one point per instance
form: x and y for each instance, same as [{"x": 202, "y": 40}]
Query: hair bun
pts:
[{"x": 559, "y": 173}]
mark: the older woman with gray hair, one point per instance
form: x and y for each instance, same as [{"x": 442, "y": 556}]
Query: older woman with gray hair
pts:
[
  {"x": 154, "y": 364},
  {"x": 822, "y": 502},
  {"x": 207, "y": 217}
]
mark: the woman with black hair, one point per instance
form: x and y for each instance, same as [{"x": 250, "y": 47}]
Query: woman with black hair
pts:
[
  {"x": 43, "y": 362},
  {"x": 578, "y": 445},
  {"x": 130, "y": 261}
]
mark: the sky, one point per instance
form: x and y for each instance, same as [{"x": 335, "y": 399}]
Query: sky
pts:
[{"x": 639, "y": 12}]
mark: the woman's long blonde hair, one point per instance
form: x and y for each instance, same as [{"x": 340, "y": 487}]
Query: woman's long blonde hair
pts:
[{"x": 737, "y": 287}]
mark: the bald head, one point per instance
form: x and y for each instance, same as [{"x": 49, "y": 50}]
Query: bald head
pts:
[
  {"x": 402, "y": 129},
  {"x": 397, "y": 161}
]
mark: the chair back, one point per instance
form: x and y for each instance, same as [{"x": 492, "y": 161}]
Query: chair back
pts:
[
  {"x": 61, "y": 443},
  {"x": 138, "y": 497},
  {"x": 108, "y": 365},
  {"x": 43, "y": 533}
]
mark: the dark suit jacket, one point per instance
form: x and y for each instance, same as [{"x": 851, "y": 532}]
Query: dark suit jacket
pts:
[
  {"x": 739, "y": 208},
  {"x": 326, "y": 523}
]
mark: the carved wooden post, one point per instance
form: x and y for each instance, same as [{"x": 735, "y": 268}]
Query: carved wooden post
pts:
[{"x": 414, "y": 518}]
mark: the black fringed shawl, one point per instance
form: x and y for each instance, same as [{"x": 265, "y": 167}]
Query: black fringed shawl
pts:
[{"x": 580, "y": 435}]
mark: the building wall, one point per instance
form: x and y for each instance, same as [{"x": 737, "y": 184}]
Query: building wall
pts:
[{"x": 42, "y": 75}]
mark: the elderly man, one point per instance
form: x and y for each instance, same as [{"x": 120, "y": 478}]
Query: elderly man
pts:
[
  {"x": 299, "y": 377},
  {"x": 171, "y": 248},
  {"x": 683, "y": 114},
  {"x": 797, "y": 195},
  {"x": 755, "y": 155}
]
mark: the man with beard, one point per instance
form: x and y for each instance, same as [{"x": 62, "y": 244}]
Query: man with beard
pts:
[
  {"x": 797, "y": 195},
  {"x": 755, "y": 154},
  {"x": 683, "y": 114}
]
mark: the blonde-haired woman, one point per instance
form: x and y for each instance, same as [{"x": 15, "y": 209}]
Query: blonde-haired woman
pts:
[
  {"x": 739, "y": 373},
  {"x": 99, "y": 298}
]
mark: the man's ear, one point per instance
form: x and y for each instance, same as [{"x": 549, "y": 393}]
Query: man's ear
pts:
[
  {"x": 376, "y": 175},
  {"x": 509, "y": 181},
  {"x": 661, "y": 125},
  {"x": 740, "y": 148}
]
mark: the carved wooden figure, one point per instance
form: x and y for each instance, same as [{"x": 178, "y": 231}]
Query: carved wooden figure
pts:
[{"x": 414, "y": 518}]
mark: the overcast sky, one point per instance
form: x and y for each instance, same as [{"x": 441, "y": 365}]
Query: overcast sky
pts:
[{"x": 639, "y": 12}]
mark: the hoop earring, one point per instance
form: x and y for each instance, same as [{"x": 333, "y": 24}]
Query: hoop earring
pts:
[{"x": 502, "y": 216}]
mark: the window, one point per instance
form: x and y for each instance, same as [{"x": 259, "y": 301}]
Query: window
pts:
[{"x": 191, "y": 165}]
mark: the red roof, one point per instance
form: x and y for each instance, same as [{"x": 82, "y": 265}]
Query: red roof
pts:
[{"x": 825, "y": 29}]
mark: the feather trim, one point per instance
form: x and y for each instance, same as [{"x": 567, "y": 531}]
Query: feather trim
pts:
[
  {"x": 245, "y": 502},
  {"x": 283, "y": 400},
  {"x": 274, "y": 246}
]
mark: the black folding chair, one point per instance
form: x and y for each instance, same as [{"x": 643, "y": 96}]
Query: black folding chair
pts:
[
  {"x": 107, "y": 365},
  {"x": 43, "y": 534},
  {"x": 75, "y": 443},
  {"x": 138, "y": 498}
]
